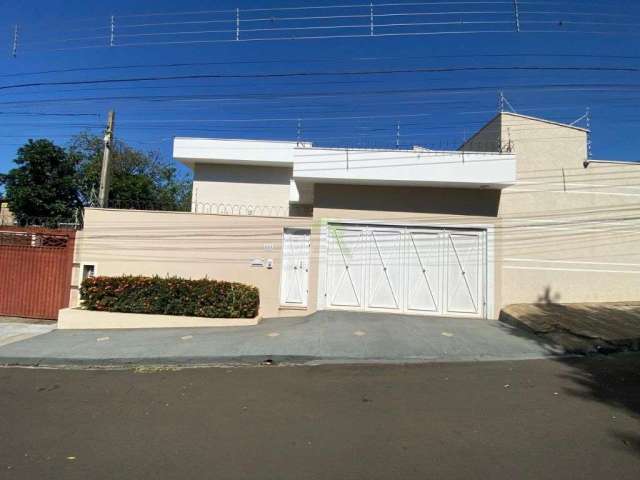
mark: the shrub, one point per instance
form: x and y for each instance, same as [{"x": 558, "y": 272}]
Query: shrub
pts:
[{"x": 170, "y": 296}]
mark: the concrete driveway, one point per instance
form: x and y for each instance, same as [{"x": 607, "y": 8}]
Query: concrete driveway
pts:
[{"x": 327, "y": 336}]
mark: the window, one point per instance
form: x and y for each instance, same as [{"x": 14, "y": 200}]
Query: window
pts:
[{"x": 88, "y": 270}]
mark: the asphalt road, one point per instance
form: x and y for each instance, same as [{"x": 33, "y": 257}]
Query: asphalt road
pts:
[{"x": 533, "y": 419}]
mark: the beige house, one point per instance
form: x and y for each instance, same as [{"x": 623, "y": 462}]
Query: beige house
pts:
[{"x": 512, "y": 216}]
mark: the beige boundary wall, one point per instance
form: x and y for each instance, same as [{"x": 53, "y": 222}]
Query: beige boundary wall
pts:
[
  {"x": 565, "y": 233},
  {"x": 79, "y": 319},
  {"x": 188, "y": 245}
]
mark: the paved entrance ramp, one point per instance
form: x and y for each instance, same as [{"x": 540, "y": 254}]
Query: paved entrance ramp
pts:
[
  {"x": 580, "y": 327},
  {"x": 321, "y": 337},
  {"x": 11, "y": 332}
]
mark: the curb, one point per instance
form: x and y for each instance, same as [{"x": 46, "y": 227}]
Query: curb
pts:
[{"x": 247, "y": 361}]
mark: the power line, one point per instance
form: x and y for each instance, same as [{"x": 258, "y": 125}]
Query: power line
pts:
[
  {"x": 329, "y": 17},
  {"x": 317, "y": 7},
  {"x": 558, "y": 87},
  {"x": 609, "y": 101},
  {"x": 271, "y": 39},
  {"x": 320, "y": 60},
  {"x": 48, "y": 114},
  {"x": 324, "y": 73}
]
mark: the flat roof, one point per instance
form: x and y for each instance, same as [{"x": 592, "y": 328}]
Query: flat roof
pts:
[
  {"x": 405, "y": 150},
  {"x": 254, "y": 140}
]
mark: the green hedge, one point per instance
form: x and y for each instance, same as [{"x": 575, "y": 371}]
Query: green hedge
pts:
[{"x": 170, "y": 296}]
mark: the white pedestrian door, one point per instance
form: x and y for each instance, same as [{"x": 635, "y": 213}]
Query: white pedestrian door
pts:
[
  {"x": 294, "y": 285},
  {"x": 415, "y": 270}
]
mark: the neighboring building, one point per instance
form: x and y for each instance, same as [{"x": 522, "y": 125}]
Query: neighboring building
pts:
[
  {"x": 6, "y": 217},
  {"x": 512, "y": 216}
]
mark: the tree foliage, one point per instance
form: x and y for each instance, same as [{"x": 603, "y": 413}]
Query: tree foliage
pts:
[
  {"x": 139, "y": 179},
  {"x": 43, "y": 184},
  {"x": 51, "y": 182}
]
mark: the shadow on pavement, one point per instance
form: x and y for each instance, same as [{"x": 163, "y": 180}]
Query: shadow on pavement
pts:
[
  {"x": 612, "y": 379},
  {"x": 580, "y": 327}
]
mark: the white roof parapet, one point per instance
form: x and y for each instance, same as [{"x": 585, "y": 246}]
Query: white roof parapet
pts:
[
  {"x": 310, "y": 164},
  {"x": 234, "y": 151},
  {"x": 405, "y": 167}
]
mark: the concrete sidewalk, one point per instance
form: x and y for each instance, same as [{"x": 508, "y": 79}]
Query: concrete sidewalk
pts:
[
  {"x": 321, "y": 337},
  {"x": 580, "y": 328},
  {"x": 15, "y": 331}
]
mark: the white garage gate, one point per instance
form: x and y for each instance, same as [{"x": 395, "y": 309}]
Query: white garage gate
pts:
[{"x": 405, "y": 269}]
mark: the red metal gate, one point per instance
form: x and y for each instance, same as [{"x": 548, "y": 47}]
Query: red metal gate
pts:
[{"x": 35, "y": 271}]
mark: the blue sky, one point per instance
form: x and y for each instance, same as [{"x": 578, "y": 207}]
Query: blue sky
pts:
[{"x": 435, "y": 109}]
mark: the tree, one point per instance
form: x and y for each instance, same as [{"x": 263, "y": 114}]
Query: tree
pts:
[
  {"x": 141, "y": 180},
  {"x": 43, "y": 186}
]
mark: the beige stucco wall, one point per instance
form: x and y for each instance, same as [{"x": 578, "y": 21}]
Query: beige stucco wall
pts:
[
  {"x": 186, "y": 245},
  {"x": 568, "y": 234},
  {"x": 381, "y": 199},
  {"x": 239, "y": 187},
  {"x": 565, "y": 233}
]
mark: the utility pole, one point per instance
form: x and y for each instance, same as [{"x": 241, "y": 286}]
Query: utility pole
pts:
[{"x": 103, "y": 194}]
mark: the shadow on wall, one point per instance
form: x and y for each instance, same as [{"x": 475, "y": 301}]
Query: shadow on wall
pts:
[
  {"x": 547, "y": 297},
  {"x": 447, "y": 201},
  {"x": 613, "y": 380}
]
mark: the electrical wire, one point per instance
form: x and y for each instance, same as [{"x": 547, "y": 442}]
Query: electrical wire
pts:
[
  {"x": 238, "y": 18},
  {"x": 50, "y": 114},
  {"x": 318, "y": 7},
  {"x": 527, "y": 54}
]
